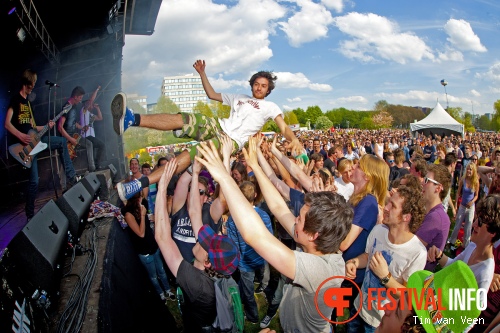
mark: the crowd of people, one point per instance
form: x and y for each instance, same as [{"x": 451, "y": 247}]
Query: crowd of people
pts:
[{"x": 371, "y": 206}]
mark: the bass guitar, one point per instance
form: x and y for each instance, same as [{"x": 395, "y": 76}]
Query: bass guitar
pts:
[
  {"x": 24, "y": 154},
  {"x": 77, "y": 137}
]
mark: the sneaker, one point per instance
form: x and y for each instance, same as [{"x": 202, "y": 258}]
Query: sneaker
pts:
[
  {"x": 162, "y": 296},
  {"x": 259, "y": 290},
  {"x": 123, "y": 117},
  {"x": 266, "y": 321},
  {"x": 128, "y": 190},
  {"x": 171, "y": 296}
]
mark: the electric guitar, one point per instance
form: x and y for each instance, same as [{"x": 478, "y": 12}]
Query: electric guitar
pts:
[
  {"x": 24, "y": 154},
  {"x": 71, "y": 147}
]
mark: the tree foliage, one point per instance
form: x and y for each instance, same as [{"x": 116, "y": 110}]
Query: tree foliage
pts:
[
  {"x": 165, "y": 105},
  {"x": 382, "y": 119},
  {"x": 290, "y": 118},
  {"x": 312, "y": 113},
  {"x": 323, "y": 123}
]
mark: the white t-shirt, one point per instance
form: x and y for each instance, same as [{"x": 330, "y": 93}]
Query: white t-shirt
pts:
[
  {"x": 346, "y": 190},
  {"x": 483, "y": 271},
  {"x": 247, "y": 116},
  {"x": 85, "y": 121},
  {"x": 402, "y": 259}
]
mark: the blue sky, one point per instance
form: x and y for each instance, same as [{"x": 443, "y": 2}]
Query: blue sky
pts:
[{"x": 330, "y": 53}]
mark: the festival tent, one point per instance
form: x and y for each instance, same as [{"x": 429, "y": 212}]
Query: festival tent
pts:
[{"x": 438, "y": 121}]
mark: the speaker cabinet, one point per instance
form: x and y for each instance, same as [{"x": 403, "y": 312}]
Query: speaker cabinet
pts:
[
  {"x": 38, "y": 249},
  {"x": 92, "y": 184},
  {"x": 75, "y": 204},
  {"x": 113, "y": 170}
]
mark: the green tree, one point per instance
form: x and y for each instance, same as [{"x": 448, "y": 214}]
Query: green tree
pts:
[
  {"x": 323, "y": 123},
  {"x": 204, "y": 109},
  {"x": 484, "y": 123},
  {"x": 495, "y": 121},
  {"x": 133, "y": 105},
  {"x": 290, "y": 118},
  {"x": 467, "y": 121},
  {"x": 219, "y": 110},
  {"x": 312, "y": 113},
  {"x": 270, "y": 126},
  {"x": 301, "y": 115},
  {"x": 165, "y": 105},
  {"x": 456, "y": 113}
]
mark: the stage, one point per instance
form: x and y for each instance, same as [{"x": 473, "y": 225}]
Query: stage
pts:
[{"x": 94, "y": 284}]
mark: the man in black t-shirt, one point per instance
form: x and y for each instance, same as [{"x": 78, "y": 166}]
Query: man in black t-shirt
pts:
[{"x": 19, "y": 121}]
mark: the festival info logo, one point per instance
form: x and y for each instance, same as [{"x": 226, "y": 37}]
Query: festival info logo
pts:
[
  {"x": 337, "y": 299},
  {"x": 427, "y": 298}
]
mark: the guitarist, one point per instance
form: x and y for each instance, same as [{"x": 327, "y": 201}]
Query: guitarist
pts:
[
  {"x": 19, "y": 121},
  {"x": 87, "y": 117}
]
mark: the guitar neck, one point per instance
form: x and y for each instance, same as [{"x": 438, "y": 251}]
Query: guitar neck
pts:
[{"x": 56, "y": 118}]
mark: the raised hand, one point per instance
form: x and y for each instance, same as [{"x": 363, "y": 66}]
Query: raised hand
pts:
[
  {"x": 167, "y": 174},
  {"x": 199, "y": 65},
  {"x": 211, "y": 160},
  {"x": 227, "y": 147},
  {"x": 251, "y": 153}
]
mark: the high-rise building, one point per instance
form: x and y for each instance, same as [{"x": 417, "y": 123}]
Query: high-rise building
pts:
[
  {"x": 184, "y": 90},
  {"x": 141, "y": 100}
]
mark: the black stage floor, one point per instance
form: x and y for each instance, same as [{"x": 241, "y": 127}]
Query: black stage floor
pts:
[{"x": 102, "y": 288}]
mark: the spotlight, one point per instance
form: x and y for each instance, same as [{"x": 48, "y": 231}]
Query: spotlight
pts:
[
  {"x": 11, "y": 11},
  {"x": 21, "y": 34}
]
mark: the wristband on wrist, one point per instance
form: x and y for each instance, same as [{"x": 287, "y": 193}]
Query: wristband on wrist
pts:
[{"x": 439, "y": 258}]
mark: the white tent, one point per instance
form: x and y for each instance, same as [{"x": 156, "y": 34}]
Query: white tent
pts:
[{"x": 438, "y": 121}]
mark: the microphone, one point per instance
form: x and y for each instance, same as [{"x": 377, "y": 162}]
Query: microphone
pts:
[{"x": 52, "y": 84}]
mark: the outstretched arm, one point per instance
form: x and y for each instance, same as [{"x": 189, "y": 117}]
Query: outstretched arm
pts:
[
  {"x": 244, "y": 215},
  {"x": 163, "y": 232},
  {"x": 199, "y": 65},
  {"x": 194, "y": 201},
  {"x": 292, "y": 168},
  {"x": 280, "y": 185},
  {"x": 295, "y": 144}
]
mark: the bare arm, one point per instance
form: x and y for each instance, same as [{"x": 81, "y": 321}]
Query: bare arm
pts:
[
  {"x": 163, "y": 232},
  {"x": 292, "y": 168},
  {"x": 138, "y": 229},
  {"x": 281, "y": 186},
  {"x": 60, "y": 128},
  {"x": 246, "y": 219},
  {"x": 351, "y": 237},
  {"x": 194, "y": 201},
  {"x": 199, "y": 65},
  {"x": 287, "y": 132},
  {"x": 98, "y": 116},
  {"x": 181, "y": 191}
]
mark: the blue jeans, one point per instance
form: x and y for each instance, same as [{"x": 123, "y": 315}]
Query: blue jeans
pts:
[
  {"x": 247, "y": 293},
  {"x": 358, "y": 325},
  {"x": 156, "y": 271},
  {"x": 91, "y": 144},
  {"x": 56, "y": 142},
  {"x": 463, "y": 215}
]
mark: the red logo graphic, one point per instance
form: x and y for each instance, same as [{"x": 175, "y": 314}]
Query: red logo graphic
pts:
[{"x": 336, "y": 298}]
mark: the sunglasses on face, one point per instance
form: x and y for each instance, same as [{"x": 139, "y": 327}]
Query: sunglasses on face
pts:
[
  {"x": 202, "y": 192},
  {"x": 427, "y": 179}
]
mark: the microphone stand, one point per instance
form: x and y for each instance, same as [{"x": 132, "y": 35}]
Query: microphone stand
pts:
[{"x": 50, "y": 147}]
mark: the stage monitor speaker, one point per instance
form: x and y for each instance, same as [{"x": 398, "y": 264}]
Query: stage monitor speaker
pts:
[
  {"x": 38, "y": 249},
  {"x": 75, "y": 204},
  {"x": 113, "y": 170},
  {"x": 104, "y": 177},
  {"x": 92, "y": 184}
]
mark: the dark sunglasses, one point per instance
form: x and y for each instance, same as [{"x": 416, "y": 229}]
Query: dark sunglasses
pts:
[
  {"x": 202, "y": 192},
  {"x": 474, "y": 159}
]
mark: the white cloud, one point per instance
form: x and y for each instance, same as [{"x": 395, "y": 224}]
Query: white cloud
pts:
[
  {"x": 450, "y": 54},
  {"x": 422, "y": 97},
  {"x": 231, "y": 39},
  {"x": 286, "y": 108},
  {"x": 352, "y": 99},
  {"x": 493, "y": 73},
  {"x": 475, "y": 93},
  {"x": 308, "y": 24},
  {"x": 375, "y": 37},
  {"x": 462, "y": 36},
  {"x": 299, "y": 80},
  {"x": 295, "y": 99},
  {"x": 337, "y": 5}
]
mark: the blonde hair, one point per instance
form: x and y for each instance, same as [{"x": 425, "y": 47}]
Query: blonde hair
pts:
[
  {"x": 474, "y": 178},
  {"x": 344, "y": 164},
  {"x": 377, "y": 172}
]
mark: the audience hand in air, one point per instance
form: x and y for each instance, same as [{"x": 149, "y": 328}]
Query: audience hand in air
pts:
[{"x": 212, "y": 161}]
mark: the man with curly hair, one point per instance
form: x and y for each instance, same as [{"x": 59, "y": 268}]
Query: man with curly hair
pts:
[
  {"x": 247, "y": 117},
  {"x": 392, "y": 254}
]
